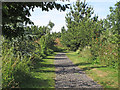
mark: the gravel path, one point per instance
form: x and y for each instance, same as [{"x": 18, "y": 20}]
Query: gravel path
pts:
[{"x": 70, "y": 76}]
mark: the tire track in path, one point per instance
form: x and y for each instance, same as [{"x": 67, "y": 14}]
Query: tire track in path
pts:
[{"x": 70, "y": 76}]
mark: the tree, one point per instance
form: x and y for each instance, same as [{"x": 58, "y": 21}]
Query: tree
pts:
[
  {"x": 18, "y": 13},
  {"x": 63, "y": 31},
  {"x": 114, "y": 22},
  {"x": 78, "y": 21}
]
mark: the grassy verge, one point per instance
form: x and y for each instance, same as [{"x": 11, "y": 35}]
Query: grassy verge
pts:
[
  {"x": 105, "y": 76},
  {"x": 43, "y": 74}
]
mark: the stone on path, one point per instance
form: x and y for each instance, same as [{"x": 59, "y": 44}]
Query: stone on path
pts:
[{"x": 70, "y": 76}]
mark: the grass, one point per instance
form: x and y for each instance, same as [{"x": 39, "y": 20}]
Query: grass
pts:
[
  {"x": 43, "y": 74},
  {"x": 105, "y": 76}
]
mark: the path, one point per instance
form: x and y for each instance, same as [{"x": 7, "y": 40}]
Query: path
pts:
[{"x": 70, "y": 76}]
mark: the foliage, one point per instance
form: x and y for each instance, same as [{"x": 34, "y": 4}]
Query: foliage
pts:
[
  {"x": 24, "y": 46},
  {"x": 21, "y": 54},
  {"x": 79, "y": 23},
  {"x": 101, "y": 36},
  {"x": 15, "y": 15}
]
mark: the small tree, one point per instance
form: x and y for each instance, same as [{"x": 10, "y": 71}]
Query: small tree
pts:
[{"x": 78, "y": 21}]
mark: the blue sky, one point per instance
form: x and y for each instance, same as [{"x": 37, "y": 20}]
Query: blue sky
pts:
[{"x": 40, "y": 18}]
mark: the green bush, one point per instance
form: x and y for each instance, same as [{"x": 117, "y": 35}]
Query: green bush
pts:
[{"x": 21, "y": 54}]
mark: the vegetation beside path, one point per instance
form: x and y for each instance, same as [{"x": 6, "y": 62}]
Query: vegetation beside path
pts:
[
  {"x": 105, "y": 76},
  {"x": 43, "y": 74},
  {"x": 24, "y": 48}
]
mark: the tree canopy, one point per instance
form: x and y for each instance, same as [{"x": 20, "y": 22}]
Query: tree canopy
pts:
[
  {"x": 79, "y": 23},
  {"x": 17, "y": 14}
]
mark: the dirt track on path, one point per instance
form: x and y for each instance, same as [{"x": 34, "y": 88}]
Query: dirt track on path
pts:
[{"x": 70, "y": 76}]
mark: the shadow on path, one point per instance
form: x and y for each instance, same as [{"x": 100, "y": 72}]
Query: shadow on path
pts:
[{"x": 68, "y": 75}]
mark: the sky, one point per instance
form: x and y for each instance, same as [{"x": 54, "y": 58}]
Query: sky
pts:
[{"x": 42, "y": 18}]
